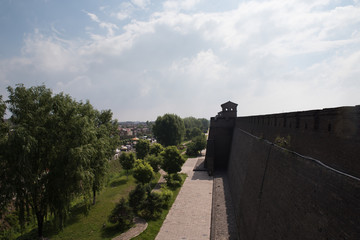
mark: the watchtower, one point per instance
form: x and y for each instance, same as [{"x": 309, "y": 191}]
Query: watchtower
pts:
[
  {"x": 220, "y": 138},
  {"x": 228, "y": 110}
]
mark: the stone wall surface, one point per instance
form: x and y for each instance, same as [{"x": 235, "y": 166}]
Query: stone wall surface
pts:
[
  {"x": 278, "y": 194},
  {"x": 330, "y": 135}
]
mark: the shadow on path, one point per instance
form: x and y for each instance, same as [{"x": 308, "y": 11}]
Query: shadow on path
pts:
[{"x": 223, "y": 223}]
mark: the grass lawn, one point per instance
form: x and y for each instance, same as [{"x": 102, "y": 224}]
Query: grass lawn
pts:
[
  {"x": 155, "y": 225},
  {"x": 94, "y": 224},
  {"x": 90, "y": 225}
]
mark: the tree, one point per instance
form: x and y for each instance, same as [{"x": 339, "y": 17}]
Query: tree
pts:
[
  {"x": 143, "y": 172},
  {"x": 137, "y": 197},
  {"x": 152, "y": 205},
  {"x": 191, "y": 122},
  {"x": 5, "y": 193},
  {"x": 127, "y": 161},
  {"x": 204, "y": 124},
  {"x": 197, "y": 144},
  {"x": 169, "y": 129},
  {"x": 122, "y": 214},
  {"x": 48, "y": 152},
  {"x": 142, "y": 148},
  {"x": 172, "y": 160},
  {"x": 194, "y": 127},
  {"x": 154, "y": 161},
  {"x": 104, "y": 144},
  {"x": 156, "y": 149},
  {"x": 194, "y": 132}
]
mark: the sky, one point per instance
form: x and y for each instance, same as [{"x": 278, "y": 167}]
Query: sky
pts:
[{"x": 145, "y": 58}]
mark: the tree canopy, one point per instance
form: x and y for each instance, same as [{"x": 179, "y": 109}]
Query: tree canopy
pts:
[
  {"x": 55, "y": 151},
  {"x": 5, "y": 193},
  {"x": 127, "y": 161},
  {"x": 105, "y": 143},
  {"x": 169, "y": 129},
  {"x": 195, "y": 127},
  {"x": 143, "y": 172},
  {"x": 142, "y": 148},
  {"x": 156, "y": 149},
  {"x": 172, "y": 160},
  {"x": 197, "y": 144}
]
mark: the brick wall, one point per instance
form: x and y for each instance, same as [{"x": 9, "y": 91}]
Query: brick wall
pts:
[{"x": 280, "y": 195}]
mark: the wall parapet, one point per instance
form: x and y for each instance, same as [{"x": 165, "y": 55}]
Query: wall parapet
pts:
[{"x": 331, "y": 135}]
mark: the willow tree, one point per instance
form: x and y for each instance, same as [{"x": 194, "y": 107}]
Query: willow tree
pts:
[
  {"x": 105, "y": 144},
  {"x": 5, "y": 194},
  {"x": 51, "y": 146}
]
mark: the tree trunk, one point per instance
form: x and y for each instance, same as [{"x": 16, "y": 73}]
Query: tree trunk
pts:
[
  {"x": 94, "y": 196},
  {"x": 40, "y": 222}
]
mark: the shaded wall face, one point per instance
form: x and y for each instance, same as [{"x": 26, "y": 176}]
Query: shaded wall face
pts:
[
  {"x": 330, "y": 136},
  {"x": 219, "y": 143},
  {"x": 222, "y": 147},
  {"x": 279, "y": 195}
]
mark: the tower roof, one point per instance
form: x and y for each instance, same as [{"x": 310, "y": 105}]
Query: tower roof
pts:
[{"x": 229, "y": 104}]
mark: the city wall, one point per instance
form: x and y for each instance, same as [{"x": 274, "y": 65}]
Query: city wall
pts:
[{"x": 310, "y": 189}]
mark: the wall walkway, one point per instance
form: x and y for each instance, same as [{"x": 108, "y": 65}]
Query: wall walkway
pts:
[{"x": 190, "y": 215}]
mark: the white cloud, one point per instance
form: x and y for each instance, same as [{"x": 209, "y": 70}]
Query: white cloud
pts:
[
  {"x": 141, "y": 3},
  {"x": 205, "y": 69},
  {"x": 122, "y": 15},
  {"x": 110, "y": 27},
  {"x": 267, "y": 56},
  {"x": 177, "y": 5}
]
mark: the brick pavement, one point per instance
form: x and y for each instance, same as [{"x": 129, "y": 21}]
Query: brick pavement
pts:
[{"x": 190, "y": 215}]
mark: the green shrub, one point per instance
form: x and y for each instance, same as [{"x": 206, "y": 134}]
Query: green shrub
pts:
[
  {"x": 155, "y": 162},
  {"x": 137, "y": 198},
  {"x": 166, "y": 196},
  {"x": 173, "y": 180},
  {"x": 152, "y": 207},
  {"x": 122, "y": 214},
  {"x": 143, "y": 172},
  {"x": 156, "y": 149}
]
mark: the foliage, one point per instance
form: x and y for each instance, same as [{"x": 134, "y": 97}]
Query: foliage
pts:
[
  {"x": 169, "y": 129},
  {"x": 156, "y": 149},
  {"x": 142, "y": 148},
  {"x": 194, "y": 127},
  {"x": 54, "y": 153},
  {"x": 143, "y": 172},
  {"x": 282, "y": 141},
  {"x": 193, "y": 132},
  {"x": 127, "y": 161},
  {"x": 166, "y": 196},
  {"x": 137, "y": 197},
  {"x": 105, "y": 144},
  {"x": 152, "y": 206},
  {"x": 155, "y": 161},
  {"x": 154, "y": 225},
  {"x": 122, "y": 214},
  {"x": 173, "y": 180},
  {"x": 172, "y": 160},
  {"x": 196, "y": 145},
  {"x": 5, "y": 192}
]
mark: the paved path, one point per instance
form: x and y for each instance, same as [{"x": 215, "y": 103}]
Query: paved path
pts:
[
  {"x": 190, "y": 215},
  {"x": 140, "y": 226}
]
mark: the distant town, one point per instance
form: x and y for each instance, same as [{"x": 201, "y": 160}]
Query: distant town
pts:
[{"x": 131, "y": 132}]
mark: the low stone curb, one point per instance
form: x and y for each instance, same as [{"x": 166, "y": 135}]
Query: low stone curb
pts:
[{"x": 140, "y": 226}]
